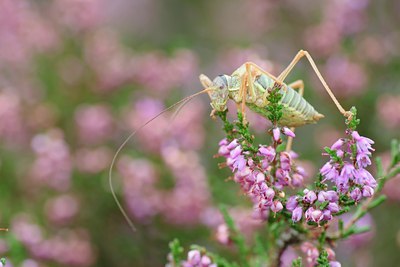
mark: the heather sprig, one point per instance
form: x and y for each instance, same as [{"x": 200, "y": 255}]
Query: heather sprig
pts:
[{"x": 298, "y": 214}]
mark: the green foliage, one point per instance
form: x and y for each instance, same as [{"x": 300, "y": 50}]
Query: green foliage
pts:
[
  {"x": 176, "y": 251},
  {"x": 353, "y": 122},
  {"x": 3, "y": 261},
  {"x": 333, "y": 154},
  {"x": 297, "y": 262},
  {"x": 275, "y": 107},
  {"x": 322, "y": 260}
]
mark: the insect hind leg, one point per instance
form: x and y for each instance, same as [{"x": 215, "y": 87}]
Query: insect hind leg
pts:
[
  {"x": 295, "y": 60},
  {"x": 299, "y": 84}
]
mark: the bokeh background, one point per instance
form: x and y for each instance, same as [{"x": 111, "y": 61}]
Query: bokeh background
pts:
[{"x": 77, "y": 76}]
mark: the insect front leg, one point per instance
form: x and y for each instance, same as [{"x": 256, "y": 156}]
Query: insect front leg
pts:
[
  {"x": 299, "y": 84},
  {"x": 296, "y": 59}
]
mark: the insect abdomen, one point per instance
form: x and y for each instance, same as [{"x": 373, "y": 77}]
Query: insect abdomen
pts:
[{"x": 296, "y": 110}]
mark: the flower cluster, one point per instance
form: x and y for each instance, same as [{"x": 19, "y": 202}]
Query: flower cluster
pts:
[
  {"x": 346, "y": 173},
  {"x": 264, "y": 172},
  {"x": 195, "y": 259}
]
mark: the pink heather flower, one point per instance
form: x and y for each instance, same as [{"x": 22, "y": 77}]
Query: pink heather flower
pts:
[
  {"x": 316, "y": 215},
  {"x": 269, "y": 193},
  {"x": 288, "y": 132},
  {"x": 364, "y": 177},
  {"x": 268, "y": 152},
  {"x": 356, "y": 194},
  {"x": 309, "y": 196},
  {"x": 260, "y": 177},
  {"x": 276, "y": 206},
  {"x": 236, "y": 152},
  {"x": 333, "y": 207},
  {"x": 285, "y": 161},
  {"x": 239, "y": 163},
  {"x": 363, "y": 143},
  {"x": 297, "y": 214},
  {"x": 363, "y": 160},
  {"x": 223, "y": 142},
  {"x": 330, "y": 196},
  {"x": 348, "y": 171},
  {"x": 368, "y": 191},
  {"x": 194, "y": 257},
  {"x": 334, "y": 264},
  {"x": 311, "y": 252},
  {"x": 222, "y": 234},
  {"x": 276, "y": 133},
  {"x": 292, "y": 203},
  {"x": 329, "y": 172},
  {"x": 338, "y": 144},
  {"x": 205, "y": 260},
  {"x": 327, "y": 215},
  {"x": 297, "y": 180},
  {"x": 342, "y": 183},
  {"x": 233, "y": 144}
]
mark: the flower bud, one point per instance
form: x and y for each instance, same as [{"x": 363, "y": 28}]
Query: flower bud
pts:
[
  {"x": 297, "y": 214},
  {"x": 333, "y": 207},
  {"x": 368, "y": 191},
  {"x": 276, "y": 133},
  {"x": 288, "y": 132}
]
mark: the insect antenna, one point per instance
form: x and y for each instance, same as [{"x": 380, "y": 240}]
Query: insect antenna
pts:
[{"x": 180, "y": 104}]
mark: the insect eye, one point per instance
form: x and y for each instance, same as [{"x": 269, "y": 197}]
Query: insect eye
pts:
[{"x": 220, "y": 82}]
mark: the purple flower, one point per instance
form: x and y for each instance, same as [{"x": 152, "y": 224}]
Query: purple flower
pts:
[
  {"x": 330, "y": 196},
  {"x": 342, "y": 183},
  {"x": 327, "y": 215},
  {"x": 288, "y": 132},
  {"x": 194, "y": 257},
  {"x": 297, "y": 179},
  {"x": 260, "y": 177},
  {"x": 297, "y": 214},
  {"x": 239, "y": 163},
  {"x": 314, "y": 215},
  {"x": 205, "y": 260},
  {"x": 329, "y": 172},
  {"x": 348, "y": 171},
  {"x": 309, "y": 196},
  {"x": 363, "y": 177},
  {"x": 233, "y": 144},
  {"x": 236, "y": 152},
  {"x": 368, "y": 191},
  {"x": 285, "y": 161},
  {"x": 276, "y": 133},
  {"x": 223, "y": 142},
  {"x": 333, "y": 207},
  {"x": 269, "y": 193},
  {"x": 276, "y": 206},
  {"x": 363, "y": 160},
  {"x": 338, "y": 144},
  {"x": 292, "y": 203},
  {"x": 356, "y": 194},
  {"x": 334, "y": 264},
  {"x": 363, "y": 143},
  {"x": 268, "y": 152}
]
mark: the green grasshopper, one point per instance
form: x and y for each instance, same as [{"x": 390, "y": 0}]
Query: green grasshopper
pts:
[{"x": 249, "y": 86}]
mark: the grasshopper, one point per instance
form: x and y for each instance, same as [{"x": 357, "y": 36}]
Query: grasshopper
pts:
[{"x": 249, "y": 86}]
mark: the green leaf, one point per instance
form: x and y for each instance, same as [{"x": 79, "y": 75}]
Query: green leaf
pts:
[
  {"x": 176, "y": 251},
  {"x": 297, "y": 262}
]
